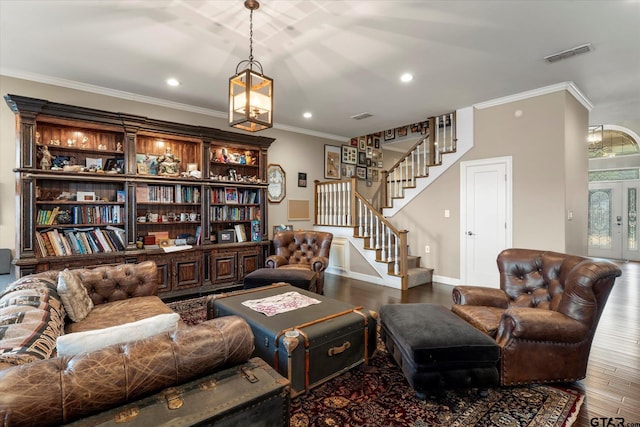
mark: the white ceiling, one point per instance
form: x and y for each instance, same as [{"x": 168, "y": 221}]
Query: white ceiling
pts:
[{"x": 333, "y": 58}]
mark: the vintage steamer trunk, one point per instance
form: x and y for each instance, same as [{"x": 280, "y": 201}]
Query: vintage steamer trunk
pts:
[
  {"x": 251, "y": 394},
  {"x": 308, "y": 345}
]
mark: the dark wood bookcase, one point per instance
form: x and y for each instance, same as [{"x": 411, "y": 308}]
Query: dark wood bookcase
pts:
[{"x": 97, "y": 187}]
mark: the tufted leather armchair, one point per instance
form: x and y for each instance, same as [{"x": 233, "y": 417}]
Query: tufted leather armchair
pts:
[
  {"x": 544, "y": 315},
  {"x": 302, "y": 250}
]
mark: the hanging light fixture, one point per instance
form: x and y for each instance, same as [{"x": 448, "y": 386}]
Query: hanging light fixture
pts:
[{"x": 250, "y": 91}]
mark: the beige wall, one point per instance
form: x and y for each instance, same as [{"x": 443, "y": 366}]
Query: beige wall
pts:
[
  {"x": 535, "y": 140},
  {"x": 294, "y": 152}
]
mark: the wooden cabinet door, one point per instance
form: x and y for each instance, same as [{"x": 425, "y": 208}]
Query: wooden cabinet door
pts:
[
  {"x": 223, "y": 267},
  {"x": 164, "y": 271},
  {"x": 187, "y": 271},
  {"x": 249, "y": 261}
]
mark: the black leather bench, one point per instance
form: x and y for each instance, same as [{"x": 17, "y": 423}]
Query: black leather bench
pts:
[
  {"x": 437, "y": 350},
  {"x": 300, "y": 278}
]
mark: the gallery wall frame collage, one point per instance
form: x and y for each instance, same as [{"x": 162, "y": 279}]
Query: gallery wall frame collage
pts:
[{"x": 362, "y": 157}]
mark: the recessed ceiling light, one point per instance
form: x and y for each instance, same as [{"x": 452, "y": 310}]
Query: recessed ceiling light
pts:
[
  {"x": 406, "y": 77},
  {"x": 307, "y": 115},
  {"x": 173, "y": 82}
]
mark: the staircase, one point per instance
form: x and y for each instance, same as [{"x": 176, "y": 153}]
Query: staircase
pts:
[{"x": 339, "y": 205}]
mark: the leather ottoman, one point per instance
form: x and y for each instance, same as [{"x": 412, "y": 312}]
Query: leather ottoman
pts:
[
  {"x": 437, "y": 350},
  {"x": 300, "y": 278}
]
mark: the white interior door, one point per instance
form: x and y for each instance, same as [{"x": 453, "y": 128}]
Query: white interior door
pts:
[
  {"x": 613, "y": 220},
  {"x": 485, "y": 218}
]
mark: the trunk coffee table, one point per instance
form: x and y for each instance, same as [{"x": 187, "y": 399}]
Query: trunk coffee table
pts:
[{"x": 307, "y": 345}]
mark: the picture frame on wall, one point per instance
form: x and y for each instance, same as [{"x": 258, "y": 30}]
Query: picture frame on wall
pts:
[
  {"x": 332, "y": 161},
  {"x": 362, "y": 158},
  {"x": 354, "y": 142},
  {"x": 362, "y": 143},
  {"x": 349, "y": 155},
  {"x": 389, "y": 134},
  {"x": 348, "y": 171},
  {"x": 231, "y": 195},
  {"x": 361, "y": 172},
  {"x": 302, "y": 179}
]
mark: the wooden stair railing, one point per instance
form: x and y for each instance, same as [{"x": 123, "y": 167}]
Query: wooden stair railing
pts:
[
  {"x": 338, "y": 204},
  {"x": 426, "y": 152}
]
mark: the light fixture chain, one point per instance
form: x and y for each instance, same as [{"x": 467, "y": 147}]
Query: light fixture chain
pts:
[{"x": 251, "y": 38}]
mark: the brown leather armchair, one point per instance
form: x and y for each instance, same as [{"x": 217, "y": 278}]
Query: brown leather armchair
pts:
[
  {"x": 544, "y": 315},
  {"x": 307, "y": 250}
]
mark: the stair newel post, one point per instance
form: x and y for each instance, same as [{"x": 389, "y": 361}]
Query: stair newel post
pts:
[
  {"x": 384, "y": 193},
  {"x": 352, "y": 196},
  {"x": 404, "y": 253},
  {"x": 396, "y": 264}
]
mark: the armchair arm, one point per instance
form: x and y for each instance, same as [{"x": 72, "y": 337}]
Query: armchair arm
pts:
[
  {"x": 535, "y": 324},
  {"x": 319, "y": 263},
  {"x": 477, "y": 295},
  {"x": 275, "y": 261}
]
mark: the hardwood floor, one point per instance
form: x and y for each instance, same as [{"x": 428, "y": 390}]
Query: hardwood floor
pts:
[{"x": 612, "y": 384}]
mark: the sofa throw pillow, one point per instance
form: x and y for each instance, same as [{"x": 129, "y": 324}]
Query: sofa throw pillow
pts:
[
  {"x": 31, "y": 319},
  {"x": 75, "y": 297},
  {"x": 78, "y": 342}
]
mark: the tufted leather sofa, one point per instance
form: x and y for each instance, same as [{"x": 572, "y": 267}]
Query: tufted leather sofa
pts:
[
  {"x": 66, "y": 388},
  {"x": 544, "y": 315},
  {"x": 307, "y": 250}
]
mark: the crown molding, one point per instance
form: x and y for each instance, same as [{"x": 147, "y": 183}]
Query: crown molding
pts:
[
  {"x": 568, "y": 86},
  {"x": 70, "y": 84}
]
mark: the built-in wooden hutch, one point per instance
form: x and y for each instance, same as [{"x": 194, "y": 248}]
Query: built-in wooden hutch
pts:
[{"x": 97, "y": 187}]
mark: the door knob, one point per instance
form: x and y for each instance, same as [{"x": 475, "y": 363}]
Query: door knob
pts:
[{"x": 470, "y": 233}]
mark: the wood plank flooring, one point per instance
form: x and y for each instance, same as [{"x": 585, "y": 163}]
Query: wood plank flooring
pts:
[{"x": 612, "y": 384}]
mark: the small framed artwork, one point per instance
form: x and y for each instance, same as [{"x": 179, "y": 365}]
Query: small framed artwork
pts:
[
  {"x": 369, "y": 152},
  {"x": 282, "y": 227},
  {"x": 379, "y": 163},
  {"x": 389, "y": 134},
  {"x": 368, "y": 164},
  {"x": 376, "y": 142},
  {"x": 302, "y": 179},
  {"x": 226, "y": 236},
  {"x": 120, "y": 196},
  {"x": 362, "y": 143},
  {"x": 349, "y": 155},
  {"x": 231, "y": 195},
  {"x": 403, "y": 131},
  {"x": 361, "y": 172},
  {"x": 331, "y": 162},
  {"x": 369, "y": 140},
  {"x": 348, "y": 171},
  {"x": 362, "y": 158},
  {"x": 374, "y": 175},
  {"x": 85, "y": 196},
  {"x": 354, "y": 142},
  {"x": 143, "y": 169}
]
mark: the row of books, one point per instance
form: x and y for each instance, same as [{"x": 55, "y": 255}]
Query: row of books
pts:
[
  {"x": 221, "y": 195},
  {"x": 77, "y": 241},
  {"x": 229, "y": 213},
  {"x": 112, "y": 214}
]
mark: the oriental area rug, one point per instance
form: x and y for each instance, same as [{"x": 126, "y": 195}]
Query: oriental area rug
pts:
[{"x": 377, "y": 394}]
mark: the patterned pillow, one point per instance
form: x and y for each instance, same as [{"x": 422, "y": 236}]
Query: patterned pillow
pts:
[
  {"x": 31, "y": 319},
  {"x": 75, "y": 297}
]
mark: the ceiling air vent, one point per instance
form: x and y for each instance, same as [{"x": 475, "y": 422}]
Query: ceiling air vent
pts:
[
  {"x": 362, "y": 116},
  {"x": 584, "y": 48}
]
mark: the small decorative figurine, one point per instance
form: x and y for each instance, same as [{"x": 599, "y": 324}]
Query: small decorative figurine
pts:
[
  {"x": 84, "y": 141},
  {"x": 101, "y": 146},
  {"x": 71, "y": 142},
  {"x": 45, "y": 163},
  {"x": 168, "y": 163},
  {"x": 54, "y": 142}
]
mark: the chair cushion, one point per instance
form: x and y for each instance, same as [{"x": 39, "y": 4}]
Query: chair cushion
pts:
[
  {"x": 119, "y": 312},
  {"x": 484, "y": 318},
  {"x": 75, "y": 297}
]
